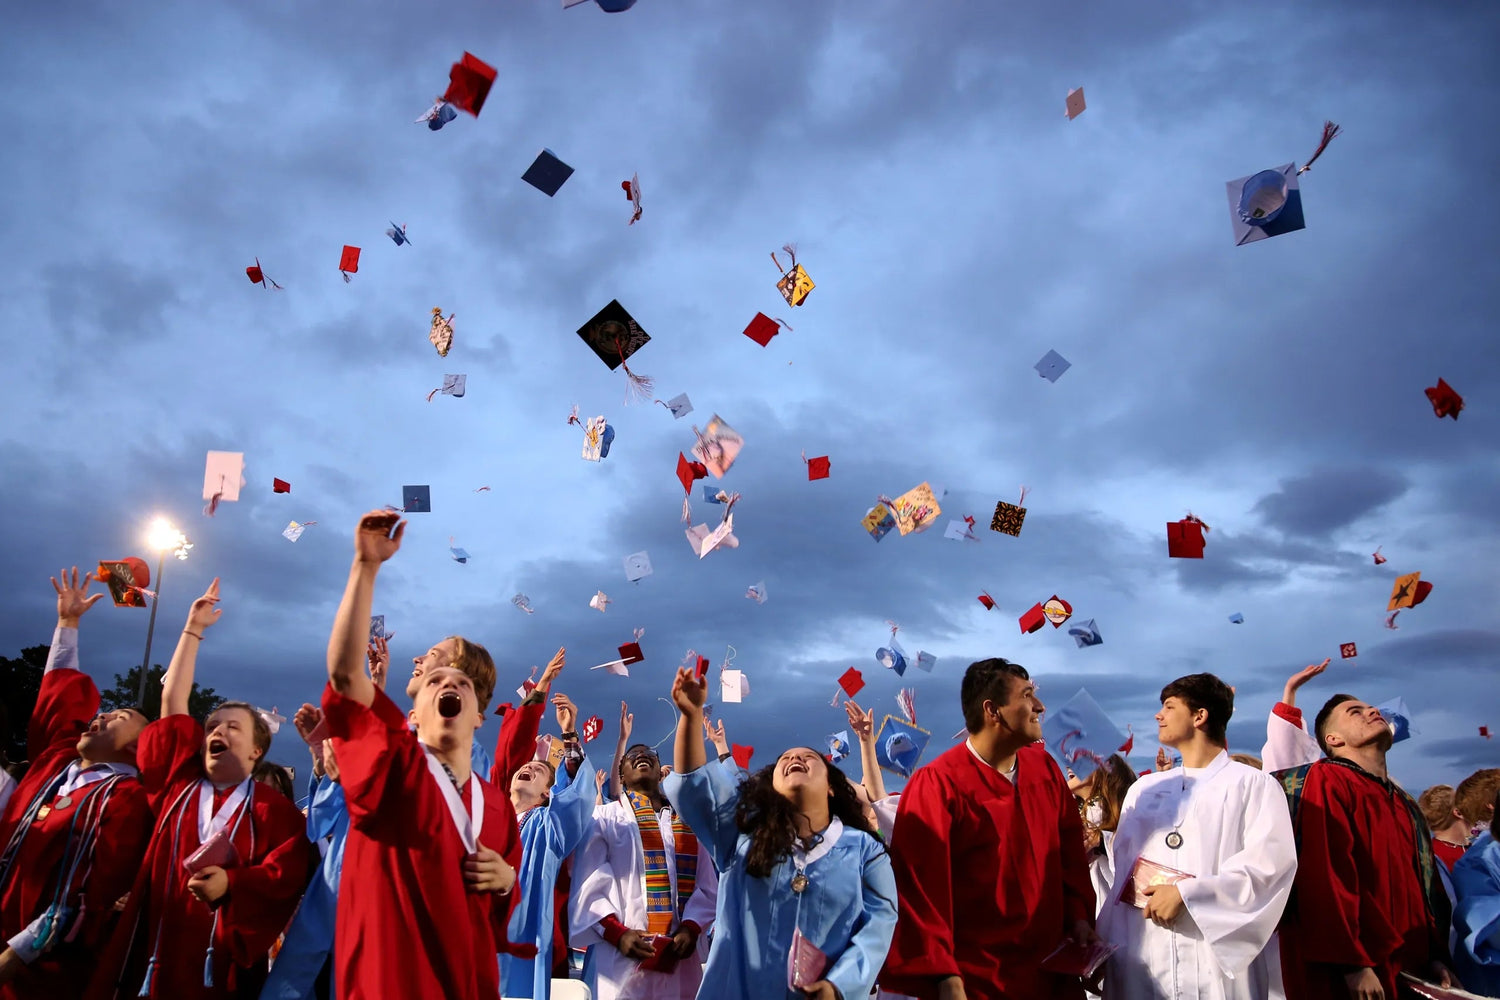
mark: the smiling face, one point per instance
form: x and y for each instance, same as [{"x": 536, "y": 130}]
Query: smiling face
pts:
[
  {"x": 640, "y": 770},
  {"x": 801, "y": 772},
  {"x": 111, "y": 736},
  {"x": 1353, "y": 724},
  {"x": 231, "y": 745},
  {"x": 441, "y": 655},
  {"x": 446, "y": 710},
  {"x": 1022, "y": 712},
  {"x": 1174, "y": 723}
]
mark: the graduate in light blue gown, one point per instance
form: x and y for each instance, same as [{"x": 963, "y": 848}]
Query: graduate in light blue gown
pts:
[
  {"x": 802, "y": 874},
  {"x": 552, "y": 826},
  {"x": 1476, "y": 918}
]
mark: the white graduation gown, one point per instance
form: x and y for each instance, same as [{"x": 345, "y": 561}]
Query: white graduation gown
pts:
[
  {"x": 1288, "y": 744},
  {"x": 1237, "y": 841},
  {"x": 609, "y": 873}
]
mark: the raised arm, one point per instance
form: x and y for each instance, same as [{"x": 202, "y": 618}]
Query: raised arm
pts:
[
  {"x": 1301, "y": 677},
  {"x": 376, "y": 539},
  {"x": 862, "y": 721},
  {"x": 177, "y": 685},
  {"x": 688, "y": 694},
  {"x": 627, "y": 725},
  {"x": 567, "y": 724},
  {"x": 72, "y": 601},
  {"x": 714, "y": 733}
]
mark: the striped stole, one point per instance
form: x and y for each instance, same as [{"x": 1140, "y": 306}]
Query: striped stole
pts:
[{"x": 661, "y": 911}]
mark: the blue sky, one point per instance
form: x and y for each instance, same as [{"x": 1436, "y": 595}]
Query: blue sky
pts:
[{"x": 957, "y": 225}]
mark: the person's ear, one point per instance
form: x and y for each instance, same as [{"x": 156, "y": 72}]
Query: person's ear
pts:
[
  {"x": 411, "y": 717},
  {"x": 1200, "y": 718}
]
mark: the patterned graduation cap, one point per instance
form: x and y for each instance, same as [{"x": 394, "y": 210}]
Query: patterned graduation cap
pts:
[
  {"x": 1398, "y": 717},
  {"x": 899, "y": 745},
  {"x": 1085, "y": 633},
  {"x": 1265, "y": 204}
]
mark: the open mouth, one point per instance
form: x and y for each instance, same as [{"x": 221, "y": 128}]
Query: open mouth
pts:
[
  {"x": 796, "y": 767},
  {"x": 449, "y": 704},
  {"x": 216, "y": 747}
]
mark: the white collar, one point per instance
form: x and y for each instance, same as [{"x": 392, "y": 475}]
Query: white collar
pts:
[
  {"x": 77, "y": 775},
  {"x": 831, "y": 834},
  {"x": 470, "y": 823}
]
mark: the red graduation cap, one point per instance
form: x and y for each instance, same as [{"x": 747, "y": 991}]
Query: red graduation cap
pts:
[
  {"x": 700, "y": 671},
  {"x": 987, "y": 601},
  {"x": 1378, "y": 557},
  {"x": 469, "y": 83},
  {"x": 1185, "y": 538},
  {"x": 1129, "y": 743},
  {"x": 1033, "y": 619},
  {"x": 1348, "y": 650},
  {"x": 817, "y": 468},
  {"x": 257, "y": 276},
  {"x": 1484, "y": 731},
  {"x": 1445, "y": 402},
  {"x": 631, "y": 653},
  {"x": 689, "y": 472},
  {"x": 762, "y": 328},
  {"x": 349, "y": 261},
  {"x": 741, "y": 755},
  {"x": 592, "y": 727},
  {"x": 853, "y": 682},
  {"x": 280, "y": 486}
]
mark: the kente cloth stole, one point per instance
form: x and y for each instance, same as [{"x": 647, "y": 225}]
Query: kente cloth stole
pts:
[{"x": 660, "y": 909}]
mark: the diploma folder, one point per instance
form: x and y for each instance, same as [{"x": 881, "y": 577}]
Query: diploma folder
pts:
[
  {"x": 218, "y": 852},
  {"x": 1144, "y": 875},
  {"x": 661, "y": 960}
]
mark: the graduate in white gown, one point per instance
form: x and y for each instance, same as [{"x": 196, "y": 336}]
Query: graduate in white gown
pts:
[
  {"x": 1208, "y": 936},
  {"x": 1289, "y": 742}
]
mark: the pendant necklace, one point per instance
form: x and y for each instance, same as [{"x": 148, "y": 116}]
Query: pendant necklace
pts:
[{"x": 1174, "y": 837}]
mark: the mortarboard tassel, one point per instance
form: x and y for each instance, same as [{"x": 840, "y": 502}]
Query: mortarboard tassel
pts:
[
  {"x": 1390, "y": 619},
  {"x": 573, "y": 417},
  {"x": 639, "y": 386},
  {"x": 1330, "y": 131},
  {"x": 213, "y": 503}
]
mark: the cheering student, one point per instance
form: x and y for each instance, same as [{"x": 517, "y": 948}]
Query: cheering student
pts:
[
  {"x": 555, "y": 811},
  {"x": 808, "y": 903},
  {"x": 1367, "y": 903},
  {"x": 643, "y": 889},
  {"x": 1213, "y": 840},
  {"x": 75, "y": 829},
  {"x": 229, "y": 857},
  {"x": 989, "y": 857},
  {"x": 1289, "y": 744},
  {"x": 879, "y": 807},
  {"x": 433, "y": 848}
]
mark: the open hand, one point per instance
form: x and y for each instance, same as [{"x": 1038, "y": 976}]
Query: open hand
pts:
[
  {"x": 1301, "y": 677},
  {"x": 378, "y": 536},
  {"x": 73, "y": 599},
  {"x": 378, "y": 657},
  {"x": 689, "y": 692},
  {"x": 306, "y": 719},
  {"x": 1163, "y": 759},
  {"x": 567, "y": 712},
  {"x": 714, "y": 733},
  {"x": 203, "y": 613},
  {"x": 860, "y": 720},
  {"x": 627, "y": 723}
]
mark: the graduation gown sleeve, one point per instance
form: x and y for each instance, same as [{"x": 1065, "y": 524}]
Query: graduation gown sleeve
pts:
[
  {"x": 1476, "y": 879},
  {"x": 707, "y": 804},
  {"x": 516, "y": 743},
  {"x": 1288, "y": 742}
]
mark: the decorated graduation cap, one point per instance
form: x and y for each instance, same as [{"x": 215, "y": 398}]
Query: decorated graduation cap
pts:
[
  {"x": 1265, "y": 204},
  {"x": 547, "y": 173},
  {"x": 1085, "y": 633},
  {"x": 1398, "y": 717},
  {"x": 440, "y": 331},
  {"x": 1080, "y": 736},
  {"x": 757, "y": 592},
  {"x": 637, "y": 566},
  {"x": 703, "y": 540},
  {"x": 1408, "y": 591},
  {"x": 1185, "y": 538},
  {"x": 469, "y": 83},
  {"x": 258, "y": 276},
  {"x": 838, "y": 746},
  {"x": 223, "y": 475},
  {"x": 1052, "y": 366},
  {"x": 127, "y": 580},
  {"x": 1009, "y": 517},
  {"x": 1074, "y": 105},
  {"x": 614, "y": 336},
  {"x": 597, "y": 437},
  {"x": 916, "y": 510},
  {"x": 899, "y": 745},
  {"x": 349, "y": 262},
  {"x": 879, "y": 521},
  {"x": 440, "y": 114},
  {"x": 416, "y": 499},
  {"x": 294, "y": 529},
  {"x": 1348, "y": 650},
  {"x": 718, "y": 446},
  {"x": 453, "y": 385},
  {"x": 398, "y": 234},
  {"x": 892, "y": 657},
  {"x": 377, "y": 628},
  {"x": 1445, "y": 402},
  {"x": 1057, "y": 610},
  {"x": 794, "y": 284}
]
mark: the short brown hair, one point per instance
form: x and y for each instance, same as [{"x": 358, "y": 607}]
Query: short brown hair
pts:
[
  {"x": 1476, "y": 794},
  {"x": 257, "y": 721},
  {"x": 1207, "y": 692},
  {"x": 1249, "y": 760},
  {"x": 474, "y": 660},
  {"x": 1437, "y": 806}
]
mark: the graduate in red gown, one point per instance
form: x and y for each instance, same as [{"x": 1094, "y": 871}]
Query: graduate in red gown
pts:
[
  {"x": 1368, "y": 903},
  {"x": 989, "y": 858},
  {"x": 199, "y": 925},
  {"x": 74, "y": 831},
  {"x": 430, "y": 864}
]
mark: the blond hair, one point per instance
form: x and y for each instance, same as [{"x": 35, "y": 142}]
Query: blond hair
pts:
[{"x": 475, "y": 661}]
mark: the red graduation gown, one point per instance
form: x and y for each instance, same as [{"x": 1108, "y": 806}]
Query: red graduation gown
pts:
[
  {"x": 68, "y": 700},
  {"x": 408, "y": 927},
  {"x": 991, "y": 877},
  {"x": 1357, "y": 901},
  {"x": 164, "y": 918}
]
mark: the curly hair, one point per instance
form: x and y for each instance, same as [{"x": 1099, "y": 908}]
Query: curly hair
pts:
[{"x": 768, "y": 818}]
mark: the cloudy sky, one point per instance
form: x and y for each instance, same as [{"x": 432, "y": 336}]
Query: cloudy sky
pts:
[{"x": 957, "y": 226}]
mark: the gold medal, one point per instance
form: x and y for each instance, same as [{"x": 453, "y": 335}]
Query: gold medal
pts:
[{"x": 799, "y": 882}]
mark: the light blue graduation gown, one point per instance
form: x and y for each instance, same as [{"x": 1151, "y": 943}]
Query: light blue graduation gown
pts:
[
  {"x": 848, "y": 908},
  {"x": 549, "y": 835},
  {"x": 309, "y": 939},
  {"x": 1476, "y": 919}
]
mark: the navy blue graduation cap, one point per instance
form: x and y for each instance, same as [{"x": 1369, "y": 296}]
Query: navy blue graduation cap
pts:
[
  {"x": 1237, "y": 618},
  {"x": 1398, "y": 717},
  {"x": 397, "y": 234},
  {"x": 547, "y": 173},
  {"x": 1079, "y": 735},
  {"x": 1265, "y": 204},
  {"x": 1052, "y": 366},
  {"x": 608, "y": 6},
  {"x": 416, "y": 499},
  {"x": 892, "y": 657},
  {"x": 899, "y": 745},
  {"x": 377, "y": 628},
  {"x": 1085, "y": 633}
]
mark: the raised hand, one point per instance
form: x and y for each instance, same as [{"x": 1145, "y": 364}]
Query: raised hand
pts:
[
  {"x": 307, "y": 719},
  {"x": 689, "y": 692},
  {"x": 567, "y": 712},
  {"x": 627, "y": 723},
  {"x": 862, "y": 721},
  {"x": 1301, "y": 677},
  {"x": 378, "y": 537},
  {"x": 378, "y": 657},
  {"x": 714, "y": 733},
  {"x": 203, "y": 613},
  {"x": 553, "y": 668},
  {"x": 72, "y": 598},
  {"x": 1163, "y": 759}
]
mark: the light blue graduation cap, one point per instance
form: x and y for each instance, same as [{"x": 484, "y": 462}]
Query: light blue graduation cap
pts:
[
  {"x": 1237, "y": 618},
  {"x": 547, "y": 173},
  {"x": 1052, "y": 366},
  {"x": 1079, "y": 735},
  {"x": 838, "y": 745},
  {"x": 1085, "y": 633},
  {"x": 1398, "y": 717},
  {"x": 892, "y": 657},
  {"x": 899, "y": 745},
  {"x": 926, "y": 661},
  {"x": 440, "y": 115},
  {"x": 1265, "y": 204},
  {"x": 711, "y": 493},
  {"x": 459, "y": 555}
]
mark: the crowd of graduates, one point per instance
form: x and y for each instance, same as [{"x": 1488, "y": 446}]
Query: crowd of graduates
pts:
[{"x": 167, "y": 858}]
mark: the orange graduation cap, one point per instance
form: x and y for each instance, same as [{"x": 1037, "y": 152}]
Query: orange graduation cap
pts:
[
  {"x": 469, "y": 83},
  {"x": 1185, "y": 538},
  {"x": 1408, "y": 591},
  {"x": 349, "y": 261},
  {"x": 1445, "y": 402}
]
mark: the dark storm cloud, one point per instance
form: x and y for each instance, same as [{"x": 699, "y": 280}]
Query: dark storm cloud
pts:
[{"x": 1326, "y": 500}]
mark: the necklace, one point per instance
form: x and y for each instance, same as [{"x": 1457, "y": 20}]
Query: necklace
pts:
[{"x": 1174, "y": 837}]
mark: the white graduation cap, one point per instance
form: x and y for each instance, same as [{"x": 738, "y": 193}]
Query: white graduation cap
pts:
[{"x": 637, "y": 566}]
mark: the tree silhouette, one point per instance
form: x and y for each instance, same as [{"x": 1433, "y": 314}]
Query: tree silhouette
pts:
[{"x": 127, "y": 686}]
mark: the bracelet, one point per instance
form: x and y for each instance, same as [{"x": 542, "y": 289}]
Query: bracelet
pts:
[
  {"x": 195, "y": 635},
  {"x": 570, "y": 737}
]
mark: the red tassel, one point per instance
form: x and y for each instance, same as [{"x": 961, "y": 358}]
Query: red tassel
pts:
[
  {"x": 1330, "y": 131},
  {"x": 640, "y": 386}
]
